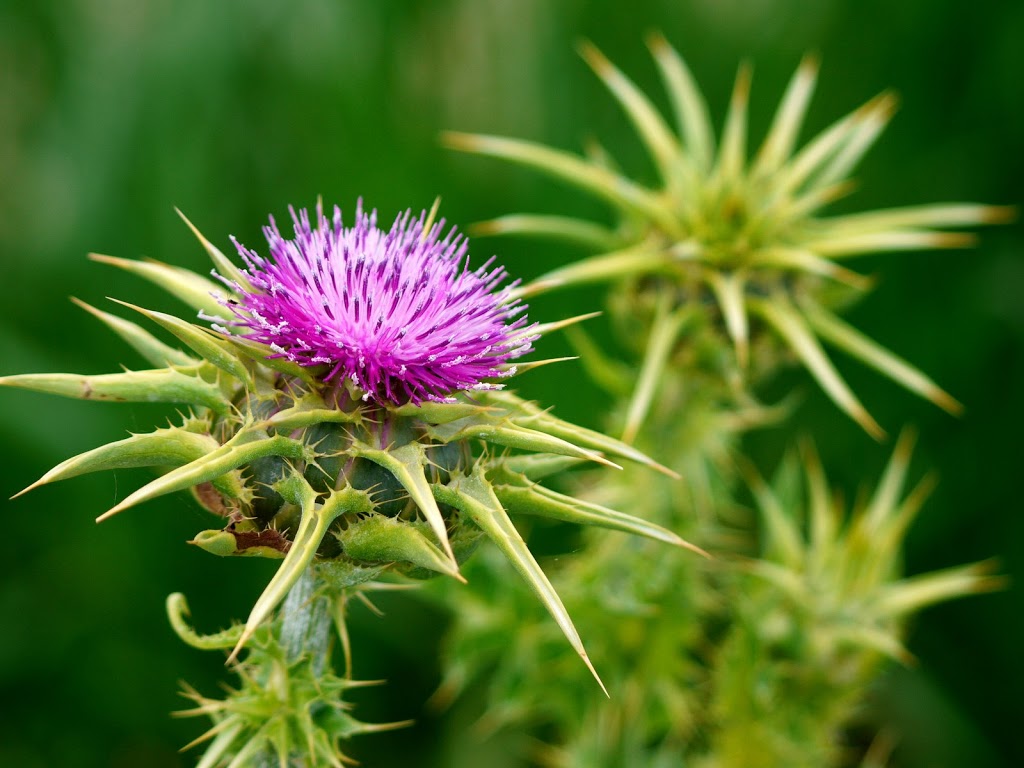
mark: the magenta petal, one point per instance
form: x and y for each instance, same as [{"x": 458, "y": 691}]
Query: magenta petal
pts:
[{"x": 399, "y": 313}]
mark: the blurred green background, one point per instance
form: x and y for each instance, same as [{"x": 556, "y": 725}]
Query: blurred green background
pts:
[{"x": 114, "y": 111}]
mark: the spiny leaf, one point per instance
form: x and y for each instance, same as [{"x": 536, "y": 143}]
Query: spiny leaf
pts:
[
  {"x": 574, "y": 434},
  {"x": 440, "y": 413},
  {"x": 778, "y": 145},
  {"x": 514, "y": 436},
  {"x": 473, "y": 496},
  {"x": 783, "y": 533},
  {"x": 142, "y": 341},
  {"x": 161, "y": 385},
  {"x": 570, "y": 168},
  {"x": 178, "y": 612},
  {"x": 664, "y": 333},
  {"x": 537, "y": 466},
  {"x": 793, "y": 329},
  {"x": 813, "y": 156},
  {"x": 407, "y": 465},
  {"x": 869, "y": 125},
  {"x": 803, "y": 260},
  {"x": 313, "y": 526},
  {"x": 611, "y": 374},
  {"x": 730, "y": 291},
  {"x": 204, "y": 343},
  {"x": 245, "y": 447},
  {"x": 841, "y": 244},
  {"x": 940, "y": 215},
  {"x": 656, "y": 135},
  {"x": 543, "y": 502},
  {"x": 641, "y": 259},
  {"x": 263, "y": 354},
  {"x": 310, "y": 409},
  {"x": 913, "y": 594},
  {"x": 690, "y": 107},
  {"x": 381, "y": 539},
  {"x": 164, "y": 447},
  {"x": 223, "y": 264},
  {"x": 194, "y": 290},
  {"x": 588, "y": 234},
  {"x": 732, "y": 155}
]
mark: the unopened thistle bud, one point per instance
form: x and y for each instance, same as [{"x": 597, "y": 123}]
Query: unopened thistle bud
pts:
[{"x": 733, "y": 245}]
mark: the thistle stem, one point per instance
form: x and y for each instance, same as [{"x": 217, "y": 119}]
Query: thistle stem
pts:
[
  {"x": 305, "y": 630},
  {"x": 306, "y": 620}
]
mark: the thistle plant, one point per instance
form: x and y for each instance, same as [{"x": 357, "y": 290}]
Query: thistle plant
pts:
[
  {"x": 721, "y": 274},
  {"x": 344, "y": 413}
]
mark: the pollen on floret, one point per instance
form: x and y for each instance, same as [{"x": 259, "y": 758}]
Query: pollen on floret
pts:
[{"x": 399, "y": 313}]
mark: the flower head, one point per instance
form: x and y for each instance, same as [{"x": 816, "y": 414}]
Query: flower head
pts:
[{"x": 397, "y": 312}]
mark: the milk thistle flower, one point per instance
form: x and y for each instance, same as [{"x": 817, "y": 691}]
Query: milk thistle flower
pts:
[
  {"x": 347, "y": 419},
  {"x": 397, "y": 312},
  {"x": 739, "y": 245}
]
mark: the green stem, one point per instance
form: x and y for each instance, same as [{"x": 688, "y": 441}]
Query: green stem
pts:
[{"x": 305, "y": 630}]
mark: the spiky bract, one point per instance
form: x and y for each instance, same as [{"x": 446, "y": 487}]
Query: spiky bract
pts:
[{"x": 741, "y": 244}]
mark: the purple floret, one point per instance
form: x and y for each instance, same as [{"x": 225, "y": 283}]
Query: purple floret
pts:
[{"x": 398, "y": 313}]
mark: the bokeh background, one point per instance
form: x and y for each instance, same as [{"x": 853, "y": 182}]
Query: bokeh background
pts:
[{"x": 114, "y": 111}]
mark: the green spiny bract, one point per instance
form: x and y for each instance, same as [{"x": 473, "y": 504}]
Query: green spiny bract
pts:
[
  {"x": 310, "y": 470},
  {"x": 289, "y": 705},
  {"x": 824, "y": 604},
  {"x": 736, "y": 247}
]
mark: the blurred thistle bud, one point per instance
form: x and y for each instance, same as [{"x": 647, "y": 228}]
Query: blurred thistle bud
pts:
[
  {"x": 826, "y": 602},
  {"x": 346, "y": 407},
  {"x": 733, "y": 245}
]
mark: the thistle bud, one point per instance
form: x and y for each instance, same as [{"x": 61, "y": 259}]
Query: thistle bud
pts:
[{"x": 738, "y": 246}]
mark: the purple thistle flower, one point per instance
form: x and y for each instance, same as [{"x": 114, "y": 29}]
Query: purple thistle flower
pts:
[{"x": 398, "y": 313}]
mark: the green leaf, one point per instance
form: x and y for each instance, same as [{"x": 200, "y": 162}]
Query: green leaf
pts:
[
  {"x": 543, "y": 502},
  {"x": 204, "y": 343},
  {"x": 785, "y": 319},
  {"x": 407, "y": 465},
  {"x": 161, "y": 385},
  {"x": 570, "y": 168},
  {"x": 194, "y": 290},
  {"x": 690, "y": 107},
  {"x": 474, "y": 497},
  {"x": 246, "y": 446},
  {"x": 164, "y": 447},
  {"x": 585, "y": 233},
  {"x": 142, "y": 341},
  {"x": 312, "y": 528},
  {"x": 378, "y": 539}
]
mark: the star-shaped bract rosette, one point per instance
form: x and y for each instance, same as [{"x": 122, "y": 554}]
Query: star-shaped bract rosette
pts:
[{"x": 399, "y": 313}]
